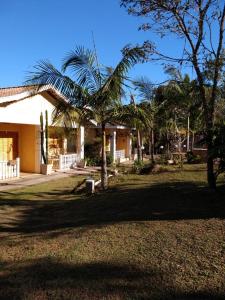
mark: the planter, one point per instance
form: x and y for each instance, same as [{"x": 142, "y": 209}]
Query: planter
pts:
[
  {"x": 82, "y": 164},
  {"x": 46, "y": 169},
  {"x": 170, "y": 162}
]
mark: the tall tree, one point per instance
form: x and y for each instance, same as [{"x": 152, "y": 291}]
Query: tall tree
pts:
[
  {"x": 200, "y": 24},
  {"x": 95, "y": 92},
  {"x": 145, "y": 91}
]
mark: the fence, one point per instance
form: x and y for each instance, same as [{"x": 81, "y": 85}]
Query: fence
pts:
[
  {"x": 9, "y": 169},
  {"x": 120, "y": 154},
  {"x": 67, "y": 161}
]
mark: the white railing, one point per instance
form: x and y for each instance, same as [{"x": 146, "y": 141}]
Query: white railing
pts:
[
  {"x": 9, "y": 169},
  {"x": 120, "y": 154},
  {"x": 68, "y": 161}
]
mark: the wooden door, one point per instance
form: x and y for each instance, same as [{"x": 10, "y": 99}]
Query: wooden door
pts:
[{"x": 8, "y": 145}]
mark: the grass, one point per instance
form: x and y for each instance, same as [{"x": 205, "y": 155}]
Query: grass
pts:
[{"x": 159, "y": 236}]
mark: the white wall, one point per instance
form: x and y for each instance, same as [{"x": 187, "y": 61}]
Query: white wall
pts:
[{"x": 27, "y": 111}]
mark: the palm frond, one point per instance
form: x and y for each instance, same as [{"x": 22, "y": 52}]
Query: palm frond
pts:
[
  {"x": 145, "y": 88},
  {"x": 66, "y": 115},
  {"x": 46, "y": 74},
  {"x": 134, "y": 116},
  {"x": 83, "y": 63},
  {"x": 113, "y": 85}
]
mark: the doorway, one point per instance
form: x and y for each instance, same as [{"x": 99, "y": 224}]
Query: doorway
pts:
[{"x": 8, "y": 145}]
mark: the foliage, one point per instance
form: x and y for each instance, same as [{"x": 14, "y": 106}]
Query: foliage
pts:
[
  {"x": 44, "y": 137},
  {"x": 193, "y": 22},
  {"x": 193, "y": 158},
  {"x": 92, "y": 151},
  {"x": 147, "y": 168},
  {"x": 96, "y": 160},
  {"x": 95, "y": 93},
  {"x": 218, "y": 151},
  {"x": 138, "y": 166},
  {"x": 178, "y": 100},
  {"x": 147, "y": 103}
]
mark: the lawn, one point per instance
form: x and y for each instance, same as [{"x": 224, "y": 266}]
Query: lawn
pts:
[{"x": 158, "y": 236}]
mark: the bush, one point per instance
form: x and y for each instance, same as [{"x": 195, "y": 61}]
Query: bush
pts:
[
  {"x": 96, "y": 161},
  {"x": 91, "y": 161},
  {"x": 218, "y": 151},
  {"x": 147, "y": 169},
  {"x": 137, "y": 166},
  {"x": 192, "y": 158},
  {"x": 92, "y": 150},
  {"x": 109, "y": 159}
]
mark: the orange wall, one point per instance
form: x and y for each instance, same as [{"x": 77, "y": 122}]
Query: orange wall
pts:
[
  {"x": 27, "y": 144},
  {"x": 121, "y": 138}
]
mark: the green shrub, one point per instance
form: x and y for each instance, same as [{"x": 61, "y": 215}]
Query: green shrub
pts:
[
  {"x": 96, "y": 161},
  {"x": 192, "y": 158},
  {"x": 92, "y": 150},
  {"x": 109, "y": 159},
  {"x": 147, "y": 169},
  {"x": 163, "y": 159},
  {"x": 91, "y": 161},
  {"x": 137, "y": 166}
]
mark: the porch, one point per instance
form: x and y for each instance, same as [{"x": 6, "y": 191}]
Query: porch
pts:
[
  {"x": 17, "y": 150},
  {"x": 20, "y": 149},
  {"x": 118, "y": 141},
  {"x": 65, "y": 151},
  {"x": 9, "y": 169},
  {"x": 119, "y": 144}
]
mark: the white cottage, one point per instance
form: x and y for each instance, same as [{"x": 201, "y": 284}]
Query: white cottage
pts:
[{"x": 20, "y": 109}]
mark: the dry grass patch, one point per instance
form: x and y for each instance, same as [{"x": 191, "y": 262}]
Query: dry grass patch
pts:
[{"x": 158, "y": 236}]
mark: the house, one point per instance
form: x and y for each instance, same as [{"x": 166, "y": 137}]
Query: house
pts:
[
  {"x": 20, "y": 139},
  {"x": 118, "y": 140},
  {"x": 20, "y": 147}
]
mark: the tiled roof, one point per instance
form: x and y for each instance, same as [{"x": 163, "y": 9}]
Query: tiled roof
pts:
[
  {"x": 13, "y": 94},
  {"x": 10, "y": 91}
]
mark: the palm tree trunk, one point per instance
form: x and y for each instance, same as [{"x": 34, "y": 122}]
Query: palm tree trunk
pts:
[
  {"x": 168, "y": 145},
  {"x": 188, "y": 135},
  {"x": 139, "y": 154},
  {"x": 149, "y": 144},
  {"x": 193, "y": 140},
  {"x": 152, "y": 145},
  {"x": 104, "y": 177}
]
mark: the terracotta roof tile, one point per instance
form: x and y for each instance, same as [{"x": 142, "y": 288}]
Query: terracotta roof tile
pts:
[{"x": 10, "y": 91}]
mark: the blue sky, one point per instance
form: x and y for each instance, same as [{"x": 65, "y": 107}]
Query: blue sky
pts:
[{"x": 32, "y": 30}]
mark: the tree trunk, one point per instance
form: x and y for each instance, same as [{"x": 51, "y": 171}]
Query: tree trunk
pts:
[
  {"x": 149, "y": 144},
  {"x": 210, "y": 173},
  {"x": 152, "y": 146},
  {"x": 210, "y": 166},
  {"x": 139, "y": 154},
  {"x": 104, "y": 177},
  {"x": 168, "y": 145},
  {"x": 193, "y": 140},
  {"x": 188, "y": 135}
]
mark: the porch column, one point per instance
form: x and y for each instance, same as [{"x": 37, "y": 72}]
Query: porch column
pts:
[
  {"x": 129, "y": 146},
  {"x": 113, "y": 145},
  {"x": 17, "y": 167},
  {"x": 80, "y": 142},
  {"x": 38, "y": 157},
  {"x": 64, "y": 145}
]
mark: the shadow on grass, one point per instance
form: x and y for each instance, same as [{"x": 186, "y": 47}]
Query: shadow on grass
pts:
[
  {"x": 48, "y": 278},
  {"x": 167, "y": 201}
]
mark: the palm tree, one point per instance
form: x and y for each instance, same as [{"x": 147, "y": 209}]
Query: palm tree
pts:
[
  {"x": 181, "y": 108},
  {"x": 95, "y": 91},
  {"x": 145, "y": 92},
  {"x": 135, "y": 116}
]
